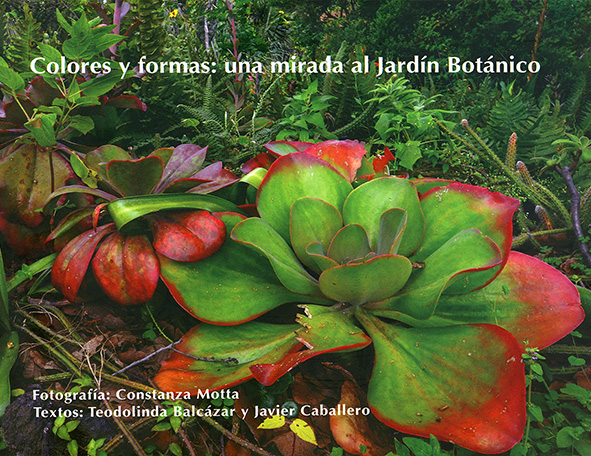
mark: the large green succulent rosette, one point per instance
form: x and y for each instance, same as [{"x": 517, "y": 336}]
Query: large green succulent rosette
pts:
[{"x": 421, "y": 270}]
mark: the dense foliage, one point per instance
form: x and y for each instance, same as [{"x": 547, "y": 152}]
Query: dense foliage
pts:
[{"x": 420, "y": 240}]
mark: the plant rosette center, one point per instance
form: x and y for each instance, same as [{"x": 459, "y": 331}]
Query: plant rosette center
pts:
[{"x": 421, "y": 269}]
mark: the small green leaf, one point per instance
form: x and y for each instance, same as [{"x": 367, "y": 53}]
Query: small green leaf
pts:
[
  {"x": 59, "y": 421},
  {"x": 73, "y": 448},
  {"x": 175, "y": 422},
  {"x": 71, "y": 425},
  {"x": 83, "y": 124},
  {"x": 163, "y": 426},
  {"x": 42, "y": 128},
  {"x": 535, "y": 412},
  {"x": 63, "y": 434},
  {"x": 574, "y": 361},
  {"x": 175, "y": 449},
  {"x": 537, "y": 369},
  {"x": 11, "y": 79},
  {"x": 417, "y": 446}
]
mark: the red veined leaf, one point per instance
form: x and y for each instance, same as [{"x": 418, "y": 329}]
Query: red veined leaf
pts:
[
  {"x": 188, "y": 236},
  {"x": 324, "y": 331},
  {"x": 72, "y": 262},
  {"x": 126, "y": 268},
  {"x": 345, "y": 156},
  {"x": 527, "y": 295},
  {"x": 234, "y": 350},
  {"x": 294, "y": 176},
  {"x": 27, "y": 179}
]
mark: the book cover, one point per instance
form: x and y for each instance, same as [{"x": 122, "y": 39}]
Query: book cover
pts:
[{"x": 314, "y": 228}]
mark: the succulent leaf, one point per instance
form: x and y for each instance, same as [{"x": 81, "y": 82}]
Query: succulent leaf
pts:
[
  {"x": 312, "y": 220},
  {"x": 526, "y": 295},
  {"x": 72, "y": 262},
  {"x": 211, "y": 289},
  {"x": 257, "y": 233},
  {"x": 447, "y": 266},
  {"x": 124, "y": 175},
  {"x": 188, "y": 236},
  {"x": 349, "y": 243},
  {"x": 126, "y": 268},
  {"x": 392, "y": 225},
  {"x": 466, "y": 382},
  {"x": 247, "y": 344},
  {"x": 295, "y": 176},
  {"x": 455, "y": 207},
  {"x": 29, "y": 174},
  {"x": 373, "y": 280},
  {"x": 324, "y": 331},
  {"x": 366, "y": 204},
  {"x": 345, "y": 156}
]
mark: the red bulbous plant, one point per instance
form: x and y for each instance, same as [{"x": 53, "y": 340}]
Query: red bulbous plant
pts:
[
  {"x": 420, "y": 269},
  {"x": 149, "y": 219},
  {"x": 38, "y": 121}
]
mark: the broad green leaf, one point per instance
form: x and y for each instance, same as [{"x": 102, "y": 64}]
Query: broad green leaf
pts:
[
  {"x": 538, "y": 296},
  {"x": 42, "y": 128},
  {"x": 125, "y": 210},
  {"x": 303, "y": 430},
  {"x": 322, "y": 330},
  {"x": 83, "y": 124},
  {"x": 295, "y": 176},
  {"x": 273, "y": 422},
  {"x": 27, "y": 182},
  {"x": 448, "y": 265},
  {"x": 366, "y": 204},
  {"x": 236, "y": 348},
  {"x": 455, "y": 207},
  {"x": 210, "y": 289},
  {"x": 63, "y": 22},
  {"x": 100, "y": 85},
  {"x": 392, "y": 226},
  {"x": 312, "y": 220},
  {"x": 349, "y": 243},
  {"x": 483, "y": 411},
  {"x": 123, "y": 174},
  {"x": 257, "y": 233},
  {"x": 77, "y": 45},
  {"x": 373, "y": 280},
  {"x": 50, "y": 53},
  {"x": 11, "y": 79}
]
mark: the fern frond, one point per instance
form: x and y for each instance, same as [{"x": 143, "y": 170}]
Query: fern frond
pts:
[{"x": 24, "y": 42}]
